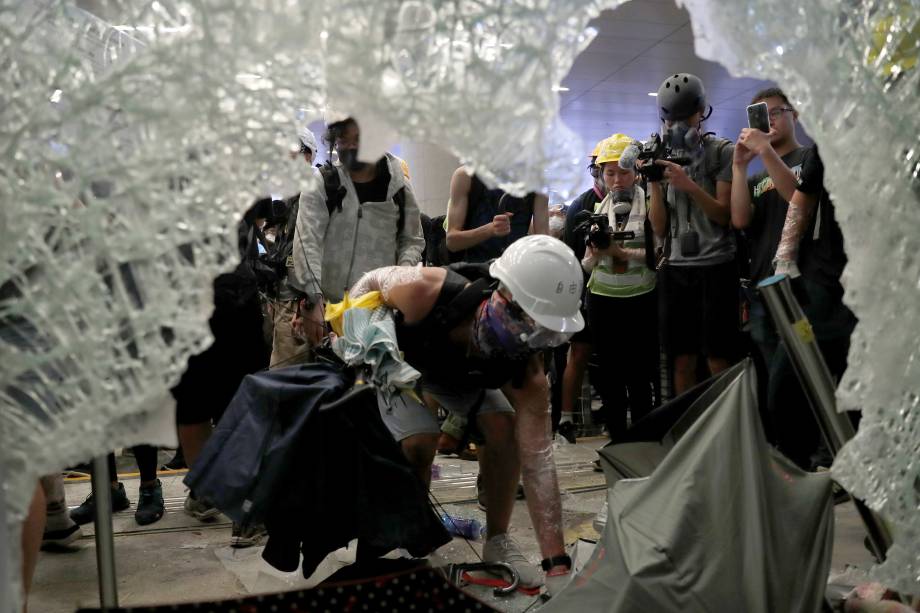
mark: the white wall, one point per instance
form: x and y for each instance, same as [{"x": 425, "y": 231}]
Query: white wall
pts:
[{"x": 430, "y": 168}]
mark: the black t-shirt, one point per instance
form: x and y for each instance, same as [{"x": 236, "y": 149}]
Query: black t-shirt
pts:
[
  {"x": 375, "y": 190},
  {"x": 769, "y": 214},
  {"x": 821, "y": 254}
]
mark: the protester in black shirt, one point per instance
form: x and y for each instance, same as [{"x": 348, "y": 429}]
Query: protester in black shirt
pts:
[{"x": 776, "y": 215}]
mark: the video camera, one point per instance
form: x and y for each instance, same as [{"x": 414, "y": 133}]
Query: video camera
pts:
[
  {"x": 597, "y": 231},
  {"x": 652, "y": 151}
]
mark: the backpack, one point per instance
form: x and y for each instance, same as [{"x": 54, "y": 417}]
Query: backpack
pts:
[{"x": 336, "y": 192}]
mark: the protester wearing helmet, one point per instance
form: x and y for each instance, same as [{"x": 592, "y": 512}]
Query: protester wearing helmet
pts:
[
  {"x": 579, "y": 353},
  {"x": 622, "y": 302},
  {"x": 476, "y": 333},
  {"x": 700, "y": 280}
]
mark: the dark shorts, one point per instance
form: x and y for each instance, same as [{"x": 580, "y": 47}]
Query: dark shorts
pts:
[{"x": 700, "y": 310}]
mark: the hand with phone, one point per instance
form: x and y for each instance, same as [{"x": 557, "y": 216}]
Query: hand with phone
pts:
[{"x": 755, "y": 139}]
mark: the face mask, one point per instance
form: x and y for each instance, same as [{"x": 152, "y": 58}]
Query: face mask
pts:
[
  {"x": 502, "y": 330},
  {"x": 349, "y": 159},
  {"x": 556, "y": 224}
]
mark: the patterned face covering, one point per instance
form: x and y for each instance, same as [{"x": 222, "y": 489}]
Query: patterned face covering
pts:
[{"x": 503, "y": 330}]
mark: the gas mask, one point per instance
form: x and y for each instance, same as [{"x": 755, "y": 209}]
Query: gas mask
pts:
[
  {"x": 622, "y": 201},
  {"x": 681, "y": 137},
  {"x": 502, "y": 330}
]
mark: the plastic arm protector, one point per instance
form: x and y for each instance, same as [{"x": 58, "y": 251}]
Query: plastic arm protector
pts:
[{"x": 385, "y": 279}]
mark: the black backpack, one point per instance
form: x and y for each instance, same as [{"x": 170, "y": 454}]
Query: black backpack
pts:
[{"x": 336, "y": 192}]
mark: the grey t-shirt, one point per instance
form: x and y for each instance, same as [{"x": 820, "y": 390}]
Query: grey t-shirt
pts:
[{"x": 717, "y": 243}]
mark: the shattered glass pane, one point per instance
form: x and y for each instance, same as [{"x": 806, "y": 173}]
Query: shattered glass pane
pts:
[
  {"x": 851, "y": 70},
  {"x": 134, "y": 136}
]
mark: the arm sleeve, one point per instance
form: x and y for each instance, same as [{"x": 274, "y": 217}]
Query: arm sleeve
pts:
[
  {"x": 411, "y": 242},
  {"x": 309, "y": 231}
]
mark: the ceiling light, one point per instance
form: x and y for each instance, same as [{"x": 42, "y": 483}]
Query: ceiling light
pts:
[
  {"x": 653, "y": 94},
  {"x": 560, "y": 88}
]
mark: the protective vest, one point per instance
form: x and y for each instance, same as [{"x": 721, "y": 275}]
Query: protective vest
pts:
[{"x": 633, "y": 277}]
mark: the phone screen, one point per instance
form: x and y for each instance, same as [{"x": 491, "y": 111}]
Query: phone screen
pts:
[{"x": 758, "y": 117}]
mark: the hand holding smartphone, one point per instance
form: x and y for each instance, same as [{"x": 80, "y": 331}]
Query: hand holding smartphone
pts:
[{"x": 758, "y": 117}]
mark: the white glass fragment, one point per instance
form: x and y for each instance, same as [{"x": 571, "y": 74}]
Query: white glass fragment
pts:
[{"x": 851, "y": 69}]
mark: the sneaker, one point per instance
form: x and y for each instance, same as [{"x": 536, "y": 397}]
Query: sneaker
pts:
[
  {"x": 149, "y": 504},
  {"x": 86, "y": 512},
  {"x": 502, "y": 548},
  {"x": 447, "y": 444},
  {"x": 199, "y": 509},
  {"x": 248, "y": 536},
  {"x": 567, "y": 431},
  {"x": 59, "y": 539}
]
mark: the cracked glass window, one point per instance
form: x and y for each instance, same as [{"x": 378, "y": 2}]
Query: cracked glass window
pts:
[{"x": 135, "y": 133}]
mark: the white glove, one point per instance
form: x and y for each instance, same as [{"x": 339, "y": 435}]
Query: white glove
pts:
[{"x": 787, "y": 267}]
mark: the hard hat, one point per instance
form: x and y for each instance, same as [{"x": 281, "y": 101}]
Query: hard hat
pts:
[
  {"x": 308, "y": 139},
  {"x": 680, "y": 96},
  {"x": 545, "y": 280},
  {"x": 612, "y": 148},
  {"x": 597, "y": 148}
]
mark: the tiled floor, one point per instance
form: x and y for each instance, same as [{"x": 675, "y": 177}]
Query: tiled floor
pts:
[{"x": 180, "y": 559}]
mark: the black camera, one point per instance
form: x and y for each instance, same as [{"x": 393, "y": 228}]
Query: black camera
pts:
[
  {"x": 654, "y": 150},
  {"x": 597, "y": 231}
]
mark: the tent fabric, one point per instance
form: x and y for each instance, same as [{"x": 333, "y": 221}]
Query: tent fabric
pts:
[{"x": 723, "y": 523}]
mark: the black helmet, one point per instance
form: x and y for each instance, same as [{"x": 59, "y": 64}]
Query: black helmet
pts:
[{"x": 680, "y": 96}]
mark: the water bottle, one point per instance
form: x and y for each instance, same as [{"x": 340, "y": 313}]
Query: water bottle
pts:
[{"x": 469, "y": 529}]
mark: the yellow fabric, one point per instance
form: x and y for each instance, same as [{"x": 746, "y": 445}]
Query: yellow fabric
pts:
[
  {"x": 335, "y": 312},
  {"x": 612, "y": 148}
]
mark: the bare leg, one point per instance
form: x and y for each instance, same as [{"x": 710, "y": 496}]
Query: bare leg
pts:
[
  {"x": 420, "y": 449},
  {"x": 500, "y": 468},
  {"x": 579, "y": 354},
  {"x": 192, "y": 437},
  {"x": 684, "y": 373},
  {"x": 32, "y": 529}
]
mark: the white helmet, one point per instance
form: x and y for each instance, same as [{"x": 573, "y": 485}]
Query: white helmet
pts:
[
  {"x": 308, "y": 139},
  {"x": 545, "y": 280}
]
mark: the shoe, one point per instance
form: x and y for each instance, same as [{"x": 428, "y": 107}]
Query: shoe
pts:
[
  {"x": 502, "y": 548},
  {"x": 86, "y": 512},
  {"x": 60, "y": 539},
  {"x": 199, "y": 509},
  {"x": 248, "y": 536},
  {"x": 177, "y": 462},
  {"x": 149, "y": 504},
  {"x": 567, "y": 431}
]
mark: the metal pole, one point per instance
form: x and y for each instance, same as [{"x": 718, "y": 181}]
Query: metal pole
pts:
[
  {"x": 105, "y": 536},
  {"x": 799, "y": 340}
]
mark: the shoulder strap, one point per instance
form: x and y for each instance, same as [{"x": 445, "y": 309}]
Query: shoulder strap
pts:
[
  {"x": 400, "y": 199},
  {"x": 335, "y": 191}
]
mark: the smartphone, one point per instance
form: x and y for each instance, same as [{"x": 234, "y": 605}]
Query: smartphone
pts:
[{"x": 758, "y": 117}]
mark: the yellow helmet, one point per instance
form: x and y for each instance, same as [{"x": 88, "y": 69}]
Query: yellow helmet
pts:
[
  {"x": 597, "y": 148},
  {"x": 612, "y": 148}
]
